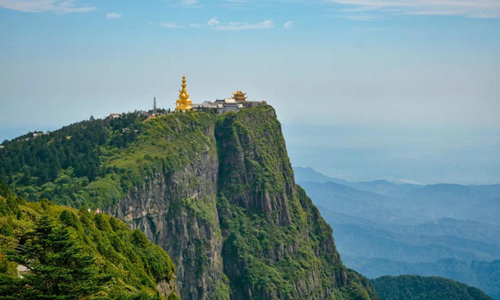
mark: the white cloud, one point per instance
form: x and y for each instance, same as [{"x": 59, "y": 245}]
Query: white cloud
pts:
[
  {"x": 113, "y": 16},
  {"x": 213, "y": 22},
  {"x": 37, "y": 6},
  {"x": 288, "y": 25},
  {"x": 188, "y": 2},
  {"x": 184, "y": 3},
  {"x": 467, "y": 8},
  {"x": 236, "y": 26},
  {"x": 170, "y": 25}
]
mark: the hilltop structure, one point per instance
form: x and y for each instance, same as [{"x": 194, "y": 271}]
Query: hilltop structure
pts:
[
  {"x": 237, "y": 102},
  {"x": 239, "y": 96},
  {"x": 183, "y": 103}
]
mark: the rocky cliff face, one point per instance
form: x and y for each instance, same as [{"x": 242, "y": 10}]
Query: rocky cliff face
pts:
[{"x": 234, "y": 221}]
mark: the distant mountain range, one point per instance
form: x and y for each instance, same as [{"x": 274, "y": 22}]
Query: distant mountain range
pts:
[{"x": 386, "y": 228}]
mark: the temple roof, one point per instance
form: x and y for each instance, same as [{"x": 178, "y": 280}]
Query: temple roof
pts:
[{"x": 239, "y": 93}]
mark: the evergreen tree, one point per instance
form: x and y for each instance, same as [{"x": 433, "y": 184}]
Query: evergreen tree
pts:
[{"x": 58, "y": 268}]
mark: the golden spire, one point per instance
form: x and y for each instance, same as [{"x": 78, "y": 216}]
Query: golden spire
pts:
[{"x": 183, "y": 103}]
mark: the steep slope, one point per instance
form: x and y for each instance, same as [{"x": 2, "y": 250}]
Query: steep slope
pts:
[
  {"x": 234, "y": 221},
  {"x": 428, "y": 288},
  {"x": 217, "y": 192},
  {"x": 138, "y": 267}
]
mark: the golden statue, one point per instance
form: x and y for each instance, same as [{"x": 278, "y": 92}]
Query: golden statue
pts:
[
  {"x": 183, "y": 103},
  {"x": 239, "y": 96}
]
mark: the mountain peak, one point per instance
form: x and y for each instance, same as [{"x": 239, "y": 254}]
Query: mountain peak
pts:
[{"x": 217, "y": 191}]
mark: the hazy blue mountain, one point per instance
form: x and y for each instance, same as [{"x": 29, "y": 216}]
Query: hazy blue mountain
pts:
[
  {"x": 309, "y": 174},
  {"x": 481, "y": 274},
  {"x": 353, "y": 202},
  {"x": 384, "y": 187},
  {"x": 384, "y": 201},
  {"x": 358, "y": 237},
  {"x": 471, "y": 230},
  {"x": 386, "y": 228},
  {"x": 473, "y": 202}
]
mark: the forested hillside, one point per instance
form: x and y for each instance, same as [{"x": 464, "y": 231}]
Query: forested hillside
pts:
[
  {"x": 77, "y": 254},
  {"x": 406, "y": 287},
  {"x": 89, "y": 163}
]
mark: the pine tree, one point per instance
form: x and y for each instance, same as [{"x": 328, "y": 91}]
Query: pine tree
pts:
[{"x": 58, "y": 268}]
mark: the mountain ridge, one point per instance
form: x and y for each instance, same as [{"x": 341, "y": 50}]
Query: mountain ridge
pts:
[{"x": 216, "y": 191}]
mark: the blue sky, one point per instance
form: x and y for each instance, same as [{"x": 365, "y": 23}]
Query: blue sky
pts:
[{"x": 424, "y": 68}]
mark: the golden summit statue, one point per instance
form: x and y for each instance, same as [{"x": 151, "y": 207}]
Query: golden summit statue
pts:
[{"x": 183, "y": 103}]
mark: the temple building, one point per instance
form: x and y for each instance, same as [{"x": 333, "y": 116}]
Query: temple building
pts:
[
  {"x": 239, "y": 96},
  {"x": 183, "y": 103},
  {"x": 237, "y": 102}
]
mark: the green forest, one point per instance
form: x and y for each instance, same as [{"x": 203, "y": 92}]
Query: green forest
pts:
[
  {"x": 74, "y": 254},
  {"x": 414, "y": 287},
  {"x": 94, "y": 163}
]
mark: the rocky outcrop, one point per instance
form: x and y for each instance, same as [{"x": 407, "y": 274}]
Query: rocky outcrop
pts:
[{"x": 234, "y": 222}]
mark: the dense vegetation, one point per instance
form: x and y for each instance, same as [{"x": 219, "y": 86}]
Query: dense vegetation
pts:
[
  {"x": 406, "y": 287},
  {"x": 74, "y": 254},
  {"x": 38, "y": 158},
  {"x": 95, "y": 163}
]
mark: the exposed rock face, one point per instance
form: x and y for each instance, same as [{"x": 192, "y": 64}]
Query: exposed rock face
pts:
[
  {"x": 234, "y": 222},
  {"x": 166, "y": 288},
  {"x": 178, "y": 212}
]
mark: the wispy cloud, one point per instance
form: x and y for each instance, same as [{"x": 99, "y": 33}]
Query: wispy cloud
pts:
[
  {"x": 37, "y": 6},
  {"x": 467, "y": 8},
  {"x": 185, "y": 3},
  {"x": 113, "y": 16},
  {"x": 213, "y": 22},
  {"x": 237, "y": 26},
  {"x": 288, "y": 25},
  {"x": 170, "y": 25},
  {"x": 188, "y": 2}
]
